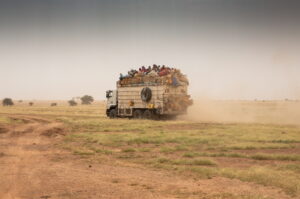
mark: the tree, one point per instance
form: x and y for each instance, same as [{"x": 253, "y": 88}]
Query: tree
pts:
[
  {"x": 72, "y": 103},
  {"x": 87, "y": 99},
  {"x": 30, "y": 103},
  {"x": 7, "y": 102}
]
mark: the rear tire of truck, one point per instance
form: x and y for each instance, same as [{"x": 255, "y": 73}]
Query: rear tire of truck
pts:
[
  {"x": 171, "y": 117},
  {"x": 149, "y": 115},
  {"x": 137, "y": 114},
  {"x": 112, "y": 113}
]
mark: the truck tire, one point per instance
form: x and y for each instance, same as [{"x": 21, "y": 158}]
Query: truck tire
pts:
[
  {"x": 146, "y": 94},
  {"x": 149, "y": 115},
  {"x": 137, "y": 114},
  {"x": 112, "y": 113},
  {"x": 171, "y": 117}
]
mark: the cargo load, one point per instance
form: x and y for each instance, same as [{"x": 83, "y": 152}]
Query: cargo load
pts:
[{"x": 155, "y": 75}]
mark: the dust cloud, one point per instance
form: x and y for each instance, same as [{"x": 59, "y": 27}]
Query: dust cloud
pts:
[{"x": 273, "y": 112}]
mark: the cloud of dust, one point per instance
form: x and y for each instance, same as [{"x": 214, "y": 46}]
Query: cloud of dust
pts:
[{"x": 273, "y": 112}]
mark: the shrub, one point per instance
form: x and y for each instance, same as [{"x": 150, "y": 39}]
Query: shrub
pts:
[
  {"x": 7, "y": 102},
  {"x": 72, "y": 103},
  {"x": 30, "y": 103},
  {"x": 87, "y": 99},
  {"x": 53, "y": 104}
]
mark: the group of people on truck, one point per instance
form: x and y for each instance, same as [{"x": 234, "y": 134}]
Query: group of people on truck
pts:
[
  {"x": 155, "y": 70},
  {"x": 154, "y": 74}
]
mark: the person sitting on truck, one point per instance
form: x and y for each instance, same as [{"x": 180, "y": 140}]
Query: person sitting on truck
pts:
[
  {"x": 155, "y": 67},
  {"x": 139, "y": 73},
  {"x": 148, "y": 70},
  {"x": 158, "y": 69},
  {"x": 175, "y": 81},
  {"x": 143, "y": 69},
  {"x": 164, "y": 71},
  {"x": 123, "y": 76},
  {"x": 131, "y": 73},
  {"x": 152, "y": 73}
]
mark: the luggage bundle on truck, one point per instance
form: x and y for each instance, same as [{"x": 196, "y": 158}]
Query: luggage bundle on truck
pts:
[{"x": 151, "y": 93}]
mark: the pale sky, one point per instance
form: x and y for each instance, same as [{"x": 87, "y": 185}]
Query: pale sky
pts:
[{"x": 230, "y": 49}]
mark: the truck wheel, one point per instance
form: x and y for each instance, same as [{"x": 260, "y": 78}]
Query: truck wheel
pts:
[
  {"x": 137, "y": 114},
  {"x": 171, "y": 117},
  {"x": 112, "y": 113},
  {"x": 148, "y": 115}
]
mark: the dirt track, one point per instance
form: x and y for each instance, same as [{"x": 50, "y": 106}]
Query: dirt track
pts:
[{"x": 31, "y": 166}]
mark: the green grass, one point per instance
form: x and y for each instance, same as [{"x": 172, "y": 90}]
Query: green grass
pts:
[
  {"x": 258, "y": 156},
  {"x": 4, "y": 120},
  {"x": 286, "y": 180},
  {"x": 163, "y": 145},
  {"x": 280, "y": 157},
  {"x": 165, "y": 149},
  {"x": 290, "y": 167},
  {"x": 182, "y": 147},
  {"x": 154, "y": 144},
  {"x": 143, "y": 149},
  {"x": 104, "y": 151},
  {"x": 129, "y": 150},
  {"x": 237, "y": 196},
  {"x": 83, "y": 153},
  {"x": 203, "y": 162},
  {"x": 9, "y": 120}
]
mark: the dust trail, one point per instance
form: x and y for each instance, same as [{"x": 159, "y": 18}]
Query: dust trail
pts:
[{"x": 275, "y": 112}]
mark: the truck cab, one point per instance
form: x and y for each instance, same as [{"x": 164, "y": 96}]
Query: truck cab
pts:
[{"x": 111, "y": 103}]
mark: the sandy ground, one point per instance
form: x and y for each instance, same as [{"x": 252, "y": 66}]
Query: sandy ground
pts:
[{"x": 31, "y": 166}]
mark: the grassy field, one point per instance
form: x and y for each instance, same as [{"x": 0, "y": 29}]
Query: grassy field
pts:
[{"x": 262, "y": 153}]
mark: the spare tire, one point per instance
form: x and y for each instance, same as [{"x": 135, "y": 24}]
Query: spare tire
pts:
[{"x": 146, "y": 94}]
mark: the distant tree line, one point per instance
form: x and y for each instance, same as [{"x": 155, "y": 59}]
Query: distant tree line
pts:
[
  {"x": 72, "y": 102},
  {"x": 85, "y": 100}
]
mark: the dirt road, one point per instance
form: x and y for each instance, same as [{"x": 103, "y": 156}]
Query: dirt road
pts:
[{"x": 32, "y": 167}]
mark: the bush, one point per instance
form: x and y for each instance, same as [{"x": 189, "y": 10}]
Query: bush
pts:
[
  {"x": 53, "y": 104},
  {"x": 72, "y": 103},
  {"x": 87, "y": 99},
  {"x": 7, "y": 102},
  {"x": 30, "y": 103}
]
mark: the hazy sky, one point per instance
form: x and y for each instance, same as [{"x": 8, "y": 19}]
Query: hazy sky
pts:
[{"x": 230, "y": 49}]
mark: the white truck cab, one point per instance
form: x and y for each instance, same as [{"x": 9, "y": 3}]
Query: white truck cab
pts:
[{"x": 111, "y": 96}]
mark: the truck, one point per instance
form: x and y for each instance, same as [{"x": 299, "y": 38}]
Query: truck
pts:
[{"x": 149, "y": 96}]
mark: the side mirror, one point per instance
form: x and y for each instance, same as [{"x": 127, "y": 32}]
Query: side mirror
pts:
[{"x": 108, "y": 94}]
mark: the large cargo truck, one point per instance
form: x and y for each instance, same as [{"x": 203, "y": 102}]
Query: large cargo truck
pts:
[{"x": 149, "y": 97}]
